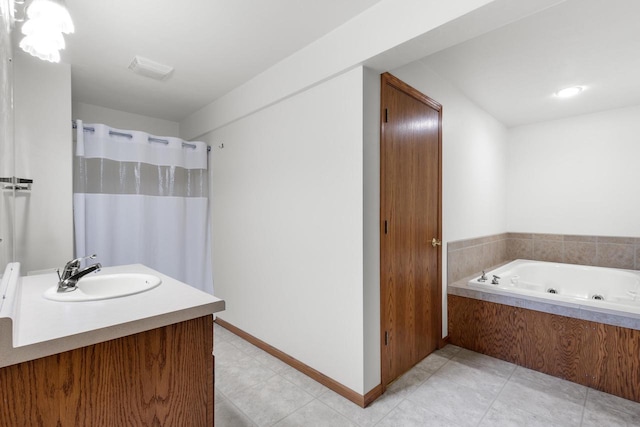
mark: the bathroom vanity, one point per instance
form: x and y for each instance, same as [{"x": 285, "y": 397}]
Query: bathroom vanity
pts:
[{"x": 141, "y": 359}]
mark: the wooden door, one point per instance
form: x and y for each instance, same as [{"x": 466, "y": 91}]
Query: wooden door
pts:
[{"x": 410, "y": 289}]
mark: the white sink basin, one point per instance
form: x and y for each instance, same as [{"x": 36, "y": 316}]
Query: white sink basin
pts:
[{"x": 105, "y": 286}]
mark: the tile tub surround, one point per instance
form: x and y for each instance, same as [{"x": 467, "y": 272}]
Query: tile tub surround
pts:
[
  {"x": 467, "y": 257},
  {"x": 470, "y": 256},
  {"x": 599, "y": 251}
]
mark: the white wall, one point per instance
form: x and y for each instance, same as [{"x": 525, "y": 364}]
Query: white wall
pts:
[
  {"x": 6, "y": 138},
  {"x": 287, "y": 197},
  {"x": 577, "y": 175},
  {"x": 474, "y": 164},
  {"x": 377, "y": 30},
  {"x": 371, "y": 227},
  {"x": 42, "y": 101},
  {"x": 89, "y": 113},
  {"x": 262, "y": 303}
]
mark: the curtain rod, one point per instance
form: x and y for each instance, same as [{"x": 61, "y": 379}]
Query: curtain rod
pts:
[{"x": 74, "y": 125}]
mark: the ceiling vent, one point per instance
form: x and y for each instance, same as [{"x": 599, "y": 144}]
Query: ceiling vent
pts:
[{"x": 149, "y": 68}]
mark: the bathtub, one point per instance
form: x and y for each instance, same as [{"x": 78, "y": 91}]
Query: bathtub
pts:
[
  {"x": 579, "y": 323},
  {"x": 600, "y": 289}
]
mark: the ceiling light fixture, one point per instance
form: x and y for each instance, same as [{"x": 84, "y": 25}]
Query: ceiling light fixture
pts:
[
  {"x": 46, "y": 21},
  {"x": 569, "y": 91}
]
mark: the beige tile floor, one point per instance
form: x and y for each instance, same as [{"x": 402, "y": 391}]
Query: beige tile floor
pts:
[{"x": 451, "y": 387}]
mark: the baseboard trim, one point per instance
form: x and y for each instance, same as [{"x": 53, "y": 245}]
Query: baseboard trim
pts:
[
  {"x": 443, "y": 341},
  {"x": 372, "y": 395},
  {"x": 332, "y": 384}
]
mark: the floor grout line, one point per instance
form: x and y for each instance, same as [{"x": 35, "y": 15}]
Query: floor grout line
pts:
[
  {"x": 584, "y": 405},
  {"x": 498, "y": 394},
  {"x": 288, "y": 415},
  {"x": 230, "y": 402}
]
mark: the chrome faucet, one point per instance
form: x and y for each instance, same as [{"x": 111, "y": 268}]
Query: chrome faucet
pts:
[
  {"x": 494, "y": 281},
  {"x": 483, "y": 278},
  {"x": 68, "y": 280}
]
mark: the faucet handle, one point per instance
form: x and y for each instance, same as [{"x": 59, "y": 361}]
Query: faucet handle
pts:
[
  {"x": 76, "y": 262},
  {"x": 72, "y": 266},
  {"x": 86, "y": 257},
  {"x": 94, "y": 256}
]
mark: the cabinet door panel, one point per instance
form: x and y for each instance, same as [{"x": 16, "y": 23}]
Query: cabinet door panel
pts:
[{"x": 158, "y": 377}]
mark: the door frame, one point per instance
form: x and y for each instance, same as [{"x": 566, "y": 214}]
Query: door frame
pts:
[{"x": 391, "y": 80}]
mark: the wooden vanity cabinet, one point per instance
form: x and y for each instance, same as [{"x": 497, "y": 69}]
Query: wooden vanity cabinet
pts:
[{"x": 161, "y": 377}]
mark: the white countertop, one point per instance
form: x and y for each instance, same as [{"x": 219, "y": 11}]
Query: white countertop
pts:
[{"x": 41, "y": 327}]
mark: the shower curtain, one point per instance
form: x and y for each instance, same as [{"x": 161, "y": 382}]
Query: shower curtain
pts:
[{"x": 143, "y": 199}]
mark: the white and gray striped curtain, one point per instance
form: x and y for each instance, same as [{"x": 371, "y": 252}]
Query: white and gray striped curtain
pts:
[{"x": 143, "y": 199}]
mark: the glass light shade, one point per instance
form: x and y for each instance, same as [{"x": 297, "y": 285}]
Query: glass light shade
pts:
[
  {"x": 38, "y": 51},
  {"x": 41, "y": 47},
  {"x": 47, "y": 20},
  {"x": 55, "y": 14},
  {"x": 45, "y": 33}
]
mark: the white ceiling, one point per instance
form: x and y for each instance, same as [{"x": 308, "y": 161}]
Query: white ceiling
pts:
[
  {"x": 513, "y": 72},
  {"x": 214, "y": 45}
]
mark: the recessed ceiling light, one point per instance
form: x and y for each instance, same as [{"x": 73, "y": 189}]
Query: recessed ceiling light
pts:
[{"x": 569, "y": 91}]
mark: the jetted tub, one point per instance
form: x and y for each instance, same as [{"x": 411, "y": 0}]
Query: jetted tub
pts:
[
  {"x": 592, "y": 321},
  {"x": 604, "y": 289}
]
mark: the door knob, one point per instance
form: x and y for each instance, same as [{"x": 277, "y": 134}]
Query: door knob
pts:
[{"x": 435, "y": 242}]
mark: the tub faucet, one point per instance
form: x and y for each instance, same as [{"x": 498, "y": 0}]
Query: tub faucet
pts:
[
  {"x": 71, "y": 273},
  {"x": 494, "y": 281},
  {"x": 483, "y": 278}
]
